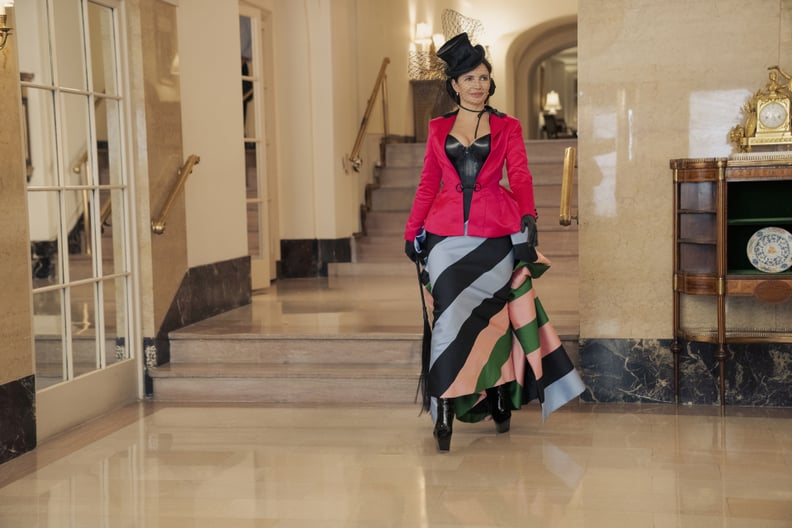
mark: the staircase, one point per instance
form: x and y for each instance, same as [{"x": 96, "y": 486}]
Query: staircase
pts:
[
  {"x": 212, "y": 366},
  {"x": 382, "y": 249}
]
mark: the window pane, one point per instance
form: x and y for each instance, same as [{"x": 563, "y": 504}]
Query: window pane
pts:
[
  {"x": 108, "y": 130},
  {"x": 76, "y": 140},
  {"x": 246, "y": 44},
  {"x": 48, "y": 338},
  {"x": 115, "y": 320},
  {"x": 111, "y": 244},
  {"x": 44, "y": 225},
  {"x": 41, "y": 130},
  {"x": 103, "y": 53},
  {"x": 34, "y": 48},
  {"x": 254, "y": 205},
  {"x": 85, "y": 345},
  {"x": 249, "y": 110},
  {"x": 254, "y": 230},
  {"x": 69, "y": 44},
  {"x": 79, "y": 228}
]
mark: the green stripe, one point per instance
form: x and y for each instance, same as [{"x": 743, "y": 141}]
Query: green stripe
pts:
[{"x": 491, "y": 371}]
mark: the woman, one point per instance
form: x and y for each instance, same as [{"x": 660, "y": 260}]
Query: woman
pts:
[{"x": 477, "y": 240}]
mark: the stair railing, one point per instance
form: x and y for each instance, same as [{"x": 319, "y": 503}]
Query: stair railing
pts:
[
  {"x": 77, "y": 168},
  {"x": 158, "y": 225},
  {"x": 565, "y": 216},
  {"x": 379, "y": 84}
]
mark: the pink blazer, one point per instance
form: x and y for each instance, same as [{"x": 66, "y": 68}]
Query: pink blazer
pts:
[{"x": 494, "y": 210}]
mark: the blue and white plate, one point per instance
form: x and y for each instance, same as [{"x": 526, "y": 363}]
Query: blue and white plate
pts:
[{"x": 770, "y": 250}]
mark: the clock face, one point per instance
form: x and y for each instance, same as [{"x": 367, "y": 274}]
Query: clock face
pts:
[{"x": 773, "y": 114}]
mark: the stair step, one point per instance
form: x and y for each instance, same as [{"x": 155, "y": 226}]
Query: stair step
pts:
[
  {"x": 371, "y": 268},
  {"x": 301, "y": 383},
  {"x": 411, "y": 154},
  {"x": 241, "y": 349},
  {"x": 400, "y": 198},
  {"x": 543, "y": 173}
]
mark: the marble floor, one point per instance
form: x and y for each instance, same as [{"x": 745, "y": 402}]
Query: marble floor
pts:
[
  {"x": 165, "y": 465},
  {"x": 636, "y": 466}
]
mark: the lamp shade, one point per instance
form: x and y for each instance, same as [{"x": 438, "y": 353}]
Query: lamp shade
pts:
[{"x": 552, "y": 102}]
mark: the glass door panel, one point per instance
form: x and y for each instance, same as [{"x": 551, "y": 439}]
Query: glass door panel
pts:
[
  {"x": 85, "y": 347},
  {"x": 69, "y": 44},
  {"x": 48, "y": 338},
  {"x": 103, "y": 53},
  {"x": 116, "y": 330}
]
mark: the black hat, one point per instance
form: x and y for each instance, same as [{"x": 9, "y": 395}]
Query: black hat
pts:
[{"x": 460, "y": 55}]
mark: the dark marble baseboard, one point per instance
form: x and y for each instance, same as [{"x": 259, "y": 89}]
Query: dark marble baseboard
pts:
[
  {"x": 17, "y": 418},
  {"x": 205, "y": 291},
  {"x": 309, "y": 257},
  {"x": 641, "y": 370}
]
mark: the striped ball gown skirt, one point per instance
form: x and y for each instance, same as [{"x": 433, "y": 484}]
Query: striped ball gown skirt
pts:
[{"x": 489, "y": 329}]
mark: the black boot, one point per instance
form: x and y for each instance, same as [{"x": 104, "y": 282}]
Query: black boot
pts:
[
  {"x": 500, "y": 408},
  {"x": 443, "y": 425}
]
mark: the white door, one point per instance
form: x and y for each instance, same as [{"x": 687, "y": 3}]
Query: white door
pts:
[
  {"x": 257, "y": 139},
  {"x": 74, "y": 99}
]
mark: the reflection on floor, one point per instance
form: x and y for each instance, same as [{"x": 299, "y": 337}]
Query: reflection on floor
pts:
[
  {"x": 364, "y": 305},
  {"x": 637, "y": 466}
]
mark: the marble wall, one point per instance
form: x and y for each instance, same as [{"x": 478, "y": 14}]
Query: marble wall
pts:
[
  {"x": 17, "y": 393},
  {"x": 309, "y": 258},
  {"x": 657, "y": 80},
  {"x": 204, "y": 292},
  {"x": 630, "y": 371}
]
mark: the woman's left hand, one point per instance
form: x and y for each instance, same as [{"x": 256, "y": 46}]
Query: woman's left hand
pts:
[{"x": 528, "y": 223}]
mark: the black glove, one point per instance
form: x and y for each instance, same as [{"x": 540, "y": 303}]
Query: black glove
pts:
[
  {"x": 525, "y": 252},
  {"x": 409, "y": 250},
  {"x": 528, "y": 223}
]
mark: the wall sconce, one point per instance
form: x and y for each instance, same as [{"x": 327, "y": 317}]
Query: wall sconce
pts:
[
  {"x": 4, "y": 30},
  {"x": 423, "y": 62},
  {"x": 552, "y": 102},
  {"x": 423, "y": 36}
]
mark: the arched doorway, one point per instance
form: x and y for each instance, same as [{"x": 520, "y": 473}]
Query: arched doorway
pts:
[{"x": 549, "y": 46}]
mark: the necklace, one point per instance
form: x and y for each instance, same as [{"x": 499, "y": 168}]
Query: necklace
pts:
[
  {"x": 471, "y": 110},
  {"x": 478, "y": 119}
]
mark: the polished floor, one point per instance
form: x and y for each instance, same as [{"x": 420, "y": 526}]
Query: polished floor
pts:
[
  {"x": 153, "y": 465},
  {"x": 158, "y": 465}
]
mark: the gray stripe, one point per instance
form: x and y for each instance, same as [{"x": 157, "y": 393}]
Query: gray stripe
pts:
[
  {"x": 445, "y": 254},
  {"x": 561, "y": 391}
]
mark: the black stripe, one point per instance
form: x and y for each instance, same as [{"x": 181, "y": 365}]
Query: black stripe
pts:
[
  {"x": 448, "y": 365},
  {"x": 555, "y": 366},
  {"x": 453, "y": 280}
]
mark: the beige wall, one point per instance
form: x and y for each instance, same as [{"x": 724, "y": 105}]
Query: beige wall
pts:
[
  {"x": 346, "y": 119},
  {"x": 658, "y": 80},
  {"x": 16, "y": 326},
  {"x": 209, "y": 71}
]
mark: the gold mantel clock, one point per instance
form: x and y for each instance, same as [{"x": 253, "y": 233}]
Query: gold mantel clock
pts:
[{"x": 767, "y": 115}]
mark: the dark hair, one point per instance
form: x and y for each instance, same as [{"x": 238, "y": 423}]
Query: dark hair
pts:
[{"x": 453, "y": 93}]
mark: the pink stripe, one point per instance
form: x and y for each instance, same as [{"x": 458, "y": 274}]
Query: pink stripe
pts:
[
  {"x": 518, "y": 277},
  {"x": 465, "y": 382},
  {"x": 522, "y": 310},
  {"x": 548, "y": 339},
  {"x": 517, "y": 362}
]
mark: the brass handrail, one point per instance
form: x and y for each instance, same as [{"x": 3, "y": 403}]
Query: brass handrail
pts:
[
  {"x": 567, "y": 175},
  {"x": 104, "y": 213},
  {"x": 82, "y": 160},
  {"x": 380, "y": 83},
  {"x": 158, "y": 225}
]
